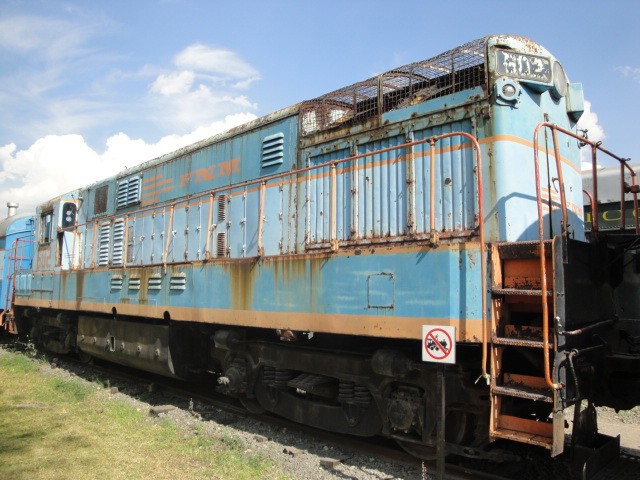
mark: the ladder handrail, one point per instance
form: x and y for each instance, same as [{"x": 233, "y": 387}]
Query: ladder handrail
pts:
[{"x": 595, "y": 146}]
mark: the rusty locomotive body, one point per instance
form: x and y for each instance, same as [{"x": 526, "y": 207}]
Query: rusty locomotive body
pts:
[{"x": 299, "y": 258}]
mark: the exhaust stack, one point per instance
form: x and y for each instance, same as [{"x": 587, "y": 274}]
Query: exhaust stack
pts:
[{"x": 12, "y": 208}]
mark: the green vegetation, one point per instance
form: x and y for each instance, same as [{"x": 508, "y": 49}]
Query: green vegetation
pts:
[{"x": 54, "y": 428}]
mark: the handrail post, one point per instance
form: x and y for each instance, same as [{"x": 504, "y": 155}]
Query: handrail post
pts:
[
  {"x": 332, "y": 219},
  {"x": 594, "y": 219},
  {"x": 263, "y": 189},
  {"x": 623, "y": 216},
  {"x": 207, "y": 249},
  {"x": 594, "y": 180},
  {"x": 169, "y": 235},
  {"x": 432, "y": 190},
  {"x": 563, "y": 198},
  {"x": 93, "y": 243},
  {"x": 543, "y": 268},
  {"x": 634, "y": 185}
]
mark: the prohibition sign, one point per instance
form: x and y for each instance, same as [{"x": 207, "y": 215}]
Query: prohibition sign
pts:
[{"x": 438, "y": 344}]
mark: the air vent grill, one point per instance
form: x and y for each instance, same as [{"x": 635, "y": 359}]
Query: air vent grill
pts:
[
  {"x": 103, "y": 244},
  {"x": 222, "y": 244},
  {"x": 222, "y": 208},
  {"x": 134, "y": 283},
  {"x": 117, "y": 256},
  {"x": 273, "y": 150},
  {"x": 155, "y": 282},
  {"x": 128, "y": 192},
  {"x": 178, "y": 282},
  {"x": 116, "y": 282}
]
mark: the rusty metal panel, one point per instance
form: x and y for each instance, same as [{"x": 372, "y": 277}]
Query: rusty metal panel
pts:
[
  {"x": 453, "y": 71},
  {"x": 381, "y": 189},
  {"x": 455, "y": 180}
]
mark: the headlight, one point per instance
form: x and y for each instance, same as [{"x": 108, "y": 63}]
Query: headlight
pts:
[
  {"x": 507, "y": 92},
  {"x": 559, "y": 81}
]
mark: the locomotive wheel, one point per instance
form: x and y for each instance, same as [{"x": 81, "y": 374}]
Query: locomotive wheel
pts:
[
  {"x": 84, "y": 357},
  {"x": 252, "y": 406},
  {"x": 418, "y": 450}
]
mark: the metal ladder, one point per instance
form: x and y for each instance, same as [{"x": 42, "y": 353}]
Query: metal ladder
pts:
[{"x": 521, "y": 397}]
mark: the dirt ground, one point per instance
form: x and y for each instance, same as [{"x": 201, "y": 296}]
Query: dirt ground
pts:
[{"x": 624, "y": 423}]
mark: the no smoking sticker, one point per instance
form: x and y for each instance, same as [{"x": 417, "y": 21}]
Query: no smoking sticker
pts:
[{"x": 438, "y": 344}]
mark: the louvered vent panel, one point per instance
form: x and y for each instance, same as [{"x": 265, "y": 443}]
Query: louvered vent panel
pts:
[
  {"x": 116, "y": 282},
  {"x": 273, "y": 150},
  {"x": 155, "y": 283},
  {"x": 222, "y": 208},
  {"x": 117, "y": 257},
  {"x": 178, "y": 282},
  {"x": 128, "y": 192},
  {"x": 222, "y": 244},
  {"x": 103, "y": 244},
  {"x": 134, "y": 283},
  {"x": 133, "y": 190}
]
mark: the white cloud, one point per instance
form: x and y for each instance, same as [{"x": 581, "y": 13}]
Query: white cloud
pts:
[
  {"x": 202, "y": 58},
  {"x": 204, "y": 86},
  {"x": 173, "y": 83},
  {"x": 57, "y": 164},
  {"x": 43, "y": 37},
  {"x": 628, "y": 71},
  {"x": 594, "y": 131}
]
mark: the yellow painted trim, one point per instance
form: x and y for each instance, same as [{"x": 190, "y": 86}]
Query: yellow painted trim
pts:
[{"x": 467, "y": 330}]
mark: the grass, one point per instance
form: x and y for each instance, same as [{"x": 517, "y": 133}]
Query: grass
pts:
[{"x": 55, "y": 428}]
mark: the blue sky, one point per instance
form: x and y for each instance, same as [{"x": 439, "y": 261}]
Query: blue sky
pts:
[{"x": 88, "y": 88}]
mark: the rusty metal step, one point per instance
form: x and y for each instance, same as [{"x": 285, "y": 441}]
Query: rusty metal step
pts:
[
  {"x": 526, "y": 332},
  {"x": 524, "y": 386},
  {"x": 526, "y": 249},
  {"x": 524, "y": 430},
  {"x": 519, "y": 292},
  {"x": 518, "y": 342},
  {"x": 527, "y": 394}
]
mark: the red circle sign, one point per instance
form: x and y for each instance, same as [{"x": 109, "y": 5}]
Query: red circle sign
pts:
[{"x": 438, "y": 344}]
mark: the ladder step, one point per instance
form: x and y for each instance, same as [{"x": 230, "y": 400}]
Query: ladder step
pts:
[
  {"x": 525, "y": 332},
  {"x": 518, "y": 342},
  {"x": 520, "y": 292},
  {"x": 523, "y": 437},
  {"x": 517, "y": 379},
  {"x": 524, "y": 430},
  {"x": 522, "y": 392},
  {"x": 526, "y": 249}
]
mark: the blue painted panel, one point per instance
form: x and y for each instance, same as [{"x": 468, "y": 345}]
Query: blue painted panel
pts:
[
  {"x": 455, "y": 182},
  {"x": 443, "y": 284}
]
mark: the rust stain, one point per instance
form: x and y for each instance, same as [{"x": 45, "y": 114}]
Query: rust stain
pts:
[{"x": 242, "y": 279}]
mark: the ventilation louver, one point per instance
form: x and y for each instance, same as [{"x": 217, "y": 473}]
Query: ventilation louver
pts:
[
  {"x": 273, "y": 150},
  {"x": 128, "y": 192}
]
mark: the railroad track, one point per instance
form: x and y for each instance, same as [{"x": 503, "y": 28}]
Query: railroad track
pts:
[{"x": 204, "y": 400}]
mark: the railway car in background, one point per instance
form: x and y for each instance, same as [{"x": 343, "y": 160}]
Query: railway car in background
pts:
[
  {"x": 309, "y": 260},
  {"x": 14, "y": 255}
]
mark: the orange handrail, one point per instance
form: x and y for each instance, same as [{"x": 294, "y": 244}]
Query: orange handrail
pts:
[{"x": 594, "y": 202}]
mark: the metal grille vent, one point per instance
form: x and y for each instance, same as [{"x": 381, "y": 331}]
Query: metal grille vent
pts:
[
  {"x": 449, "y": 72},
  {"x": 222, "y": 244},
  {"x": 222, "y": 208},
  {"x": 116, "y": 282},
  {"x": 273, "y": 150},
  {"x": 100, "y": 200},
  {"x": 103, "y": 244},
  {"x": 128, "y": 192},
  {"x": 134, "y": 283},
  {"x": 178, "y": 282},
  {"x": 155, "y": 282},
  {"x": 117, "y": 256}
]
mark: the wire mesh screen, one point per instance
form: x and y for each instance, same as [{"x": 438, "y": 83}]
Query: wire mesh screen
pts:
[{"x": 449, "y": 72}]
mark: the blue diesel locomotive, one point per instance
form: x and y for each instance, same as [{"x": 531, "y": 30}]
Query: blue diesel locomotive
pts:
[{"x": 308, "y": 261}]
